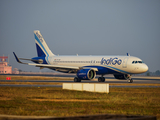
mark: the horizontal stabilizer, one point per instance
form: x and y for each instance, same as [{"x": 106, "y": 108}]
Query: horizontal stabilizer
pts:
[{"x": 18, "y": 59}]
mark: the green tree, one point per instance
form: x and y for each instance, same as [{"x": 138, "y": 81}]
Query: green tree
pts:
[
  {"x": 148, "y": 73},
  {"x": 157, "y": 72}
]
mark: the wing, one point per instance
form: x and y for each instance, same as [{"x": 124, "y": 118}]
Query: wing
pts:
[{"x": 61, "y": 68}]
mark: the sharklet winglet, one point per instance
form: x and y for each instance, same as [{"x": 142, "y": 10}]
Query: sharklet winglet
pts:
[{"x": 18, "y": 59}]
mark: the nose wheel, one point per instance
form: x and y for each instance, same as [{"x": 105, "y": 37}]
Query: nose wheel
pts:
[{"x": 130, "y": 81}]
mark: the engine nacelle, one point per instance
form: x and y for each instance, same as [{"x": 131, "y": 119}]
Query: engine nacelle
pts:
[
  {"x": 86, "y": 74},
  {"x": 123, "y": 76}
]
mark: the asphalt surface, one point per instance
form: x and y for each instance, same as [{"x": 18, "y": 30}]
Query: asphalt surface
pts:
[{"x": 109, "y": 79}]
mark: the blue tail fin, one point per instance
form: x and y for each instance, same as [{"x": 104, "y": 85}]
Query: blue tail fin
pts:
[{"x": 42, "y": 48}]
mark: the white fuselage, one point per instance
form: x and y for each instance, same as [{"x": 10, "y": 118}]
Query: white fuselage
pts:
[{"x": 121, "y": 64}]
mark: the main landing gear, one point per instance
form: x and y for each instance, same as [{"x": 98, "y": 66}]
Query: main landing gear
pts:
[
  {"x": 76, "y": 79},
  {"x": 101, "y": 79}
]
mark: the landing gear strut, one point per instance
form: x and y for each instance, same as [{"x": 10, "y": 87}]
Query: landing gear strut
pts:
[
  {"x": 101, "y": 79},
  {"x": 128, "y": 77},
  {"x": 76, "y": 79},
  {"x": 130, "y": 81}
]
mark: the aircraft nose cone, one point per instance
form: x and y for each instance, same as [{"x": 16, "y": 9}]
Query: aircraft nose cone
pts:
[{"x": 145, "y": 68}]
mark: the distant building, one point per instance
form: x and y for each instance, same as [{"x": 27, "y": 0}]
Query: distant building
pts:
[
  {"x": 4, "y": 67},
  {"x": 15, "y": 71}
]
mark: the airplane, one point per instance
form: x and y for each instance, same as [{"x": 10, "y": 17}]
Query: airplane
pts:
[{"x": 85, "y": 67}]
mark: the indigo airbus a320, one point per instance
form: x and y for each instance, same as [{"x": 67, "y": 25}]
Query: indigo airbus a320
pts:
[{"x": 85, "y": 67}]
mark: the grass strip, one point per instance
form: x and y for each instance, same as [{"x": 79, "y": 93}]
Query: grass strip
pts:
[{"x": 48, "y": 101}]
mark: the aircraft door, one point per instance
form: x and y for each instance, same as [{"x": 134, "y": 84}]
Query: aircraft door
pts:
[{"x": 124, "y": 63}]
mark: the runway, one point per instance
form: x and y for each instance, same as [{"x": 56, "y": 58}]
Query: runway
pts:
[{"x": 109, "y": 79}]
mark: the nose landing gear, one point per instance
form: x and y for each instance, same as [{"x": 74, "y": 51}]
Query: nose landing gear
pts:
[{"x": 130, "y": 81}]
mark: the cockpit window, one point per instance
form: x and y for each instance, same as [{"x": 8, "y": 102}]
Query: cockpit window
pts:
[{"x": 134, "y": 62}]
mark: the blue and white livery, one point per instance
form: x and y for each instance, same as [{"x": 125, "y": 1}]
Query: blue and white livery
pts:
[{"x": 86, "y": 67}]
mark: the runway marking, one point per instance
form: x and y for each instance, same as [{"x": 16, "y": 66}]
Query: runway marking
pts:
[{"x": 60, "y": 83}]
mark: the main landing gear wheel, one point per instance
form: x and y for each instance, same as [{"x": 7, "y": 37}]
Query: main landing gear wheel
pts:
[
  {"x": 76, "y": 79},
  {"x": 130, "y": 81},
  {"x": 101, "y": 79}
]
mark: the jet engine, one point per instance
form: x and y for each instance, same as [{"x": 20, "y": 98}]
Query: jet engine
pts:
[{"x": 86, "y": 74}]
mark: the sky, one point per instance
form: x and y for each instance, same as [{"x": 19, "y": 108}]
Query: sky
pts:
[{"x": 84, "y": 27}]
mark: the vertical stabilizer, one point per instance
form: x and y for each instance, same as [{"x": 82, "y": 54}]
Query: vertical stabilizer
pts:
[{"x": 42, "y": 48}]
